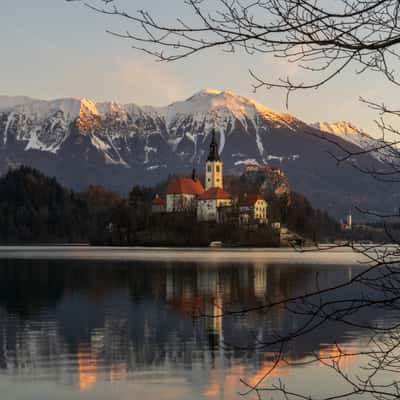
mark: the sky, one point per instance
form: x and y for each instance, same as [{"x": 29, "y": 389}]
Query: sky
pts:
[{"x": 53, "y": 49}]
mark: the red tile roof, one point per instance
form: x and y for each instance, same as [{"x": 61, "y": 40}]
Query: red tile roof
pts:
[
  {"x": 248, "y": 200},
  {"x": 215, "y": 193},
  {"x": 158, "y": 201},
  {"x": 185, "y": 186}
]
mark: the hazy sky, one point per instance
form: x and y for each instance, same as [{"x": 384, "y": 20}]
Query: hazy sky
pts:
[{"x": 52, "y": 49}]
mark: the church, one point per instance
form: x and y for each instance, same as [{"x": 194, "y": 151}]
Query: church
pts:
[{"x": 210, "y": 202}]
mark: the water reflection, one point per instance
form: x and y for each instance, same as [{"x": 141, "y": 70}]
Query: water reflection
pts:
[{"x": 84, "y": 324}]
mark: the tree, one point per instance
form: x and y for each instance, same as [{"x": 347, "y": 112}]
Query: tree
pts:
[{"x": 324, "y": 37}]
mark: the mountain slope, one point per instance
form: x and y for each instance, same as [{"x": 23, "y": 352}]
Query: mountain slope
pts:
[
  {"x": 82, "y": 142},
  {"x": 12, "y": 101},
  {"x": 358, "y": 137}
]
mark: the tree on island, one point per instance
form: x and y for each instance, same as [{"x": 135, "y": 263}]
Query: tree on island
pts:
[{"x": 325, "y": 38}]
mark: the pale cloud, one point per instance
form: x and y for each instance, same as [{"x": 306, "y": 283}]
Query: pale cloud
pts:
[
  {"x": 148, "y": 82},
  {"x": 280, "y": 67}
]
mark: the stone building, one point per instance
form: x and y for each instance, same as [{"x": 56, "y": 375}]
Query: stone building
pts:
[
  {"x": 252, "y": 209},
  {"x": 210, "y": 203},
  {"x": 214, "y": 165},
  {"x": 182, "y": 194}
]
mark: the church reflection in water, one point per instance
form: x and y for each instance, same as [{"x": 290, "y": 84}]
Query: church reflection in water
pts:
[{"x": 84, "y": 323}]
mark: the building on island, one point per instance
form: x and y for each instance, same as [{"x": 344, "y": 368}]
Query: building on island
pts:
[
  {"x": 214, "y": 176},
  {"x": 252, "y": 209},
  {"x": 348, "y": 225},
  {"x": 211, "y": 203},
  {"x": 350, "y": 220},
  {"x": 182, "y": 194},
  {"x": 251, "y": 168}
]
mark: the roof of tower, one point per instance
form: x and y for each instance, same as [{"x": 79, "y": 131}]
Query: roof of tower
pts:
[
  {"x": 184, "y": 186},
  {"x": 213, "y": 155}
]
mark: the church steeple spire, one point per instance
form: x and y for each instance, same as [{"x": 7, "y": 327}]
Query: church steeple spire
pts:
[
  {"x": 213, "y": 155},
  {"x": 214, "y": 176}
]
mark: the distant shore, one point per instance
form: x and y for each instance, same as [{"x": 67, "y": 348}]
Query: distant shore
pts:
[{"x": 341, "y": 255}]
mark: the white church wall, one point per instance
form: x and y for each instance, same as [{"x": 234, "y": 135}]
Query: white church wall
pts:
[
  {"x": 206, "y": 210},
  {"x": 180, "y": 202}
]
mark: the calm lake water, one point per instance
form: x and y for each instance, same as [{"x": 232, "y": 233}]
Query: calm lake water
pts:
[{"x": 80, "y": 323}]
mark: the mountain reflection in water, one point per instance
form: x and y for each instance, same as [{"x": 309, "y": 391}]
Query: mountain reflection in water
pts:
[{"x": 90, "y": 329}]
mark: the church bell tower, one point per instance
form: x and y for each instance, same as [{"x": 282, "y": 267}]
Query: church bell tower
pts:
[{"x": 213, "y": 166}]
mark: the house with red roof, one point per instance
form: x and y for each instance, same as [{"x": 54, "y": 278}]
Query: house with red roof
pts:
[
  {"x": 188, "y": 194},
  {"x": 252, "y": 208},
  {"x": 182, "y": 194},
  {"x": 211, "y": 203},
  {"x": 215, "y": 199}
]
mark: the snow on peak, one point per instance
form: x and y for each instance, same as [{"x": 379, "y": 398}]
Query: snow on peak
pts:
[
  {"x": 349, "y": 132},
  {"x": 40, "y": 110},
  {"x": 87, "y": 115},
  {"x": 215, "y": 108},
  {"x": 338, "y": 128},
  {"x": 207, "y": 91},
  {"x": 88, "y": 106},
  {"x": 72, "y": 108},
  {"x": 221, "y": 107},
  {"x": 12, "y": 101},
  {"x": 47, "y": 122}
]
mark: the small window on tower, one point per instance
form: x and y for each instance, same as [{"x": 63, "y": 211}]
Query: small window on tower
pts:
[{"x": 217, "y": 168}]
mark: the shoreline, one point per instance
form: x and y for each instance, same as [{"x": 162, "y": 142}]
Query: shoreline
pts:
[{"x": 287, "y": 255}]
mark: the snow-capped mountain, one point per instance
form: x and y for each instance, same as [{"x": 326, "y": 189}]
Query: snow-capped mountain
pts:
[
  {"x": 178, "y": 131},
  {"x": 340, "y": 128},
  {"x": 349, "y": 132},
  {"x": 81, "y": 141},
  {"x": 12, "y": 101}
]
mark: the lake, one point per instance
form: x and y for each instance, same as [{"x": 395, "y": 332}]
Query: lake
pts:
[{"x": 114, "y": 323}]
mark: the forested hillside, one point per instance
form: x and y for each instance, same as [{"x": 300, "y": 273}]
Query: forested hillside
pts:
[{"x": 37, "y": 209}]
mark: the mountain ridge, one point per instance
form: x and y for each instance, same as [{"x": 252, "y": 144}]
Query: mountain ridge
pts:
[
  {"x": 81, "y": 141},
  {"x": 352, "y": 134}
]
